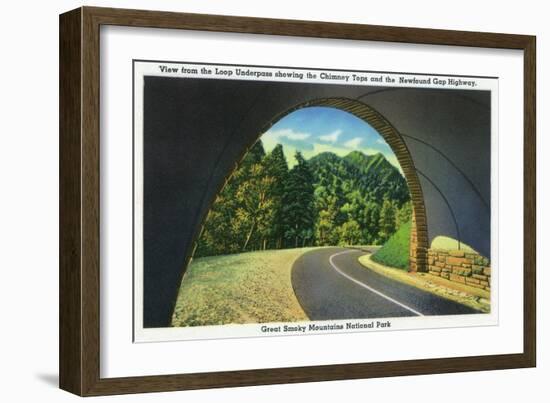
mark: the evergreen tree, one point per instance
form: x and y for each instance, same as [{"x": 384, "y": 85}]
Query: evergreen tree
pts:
[
  {"x": 254, "y": 155},
  {"x": 277, "y": 167},
  {"x": 387, "y": 220},
  {"x": 298, "y": 204},
  {"x": 370, "y": 223}
]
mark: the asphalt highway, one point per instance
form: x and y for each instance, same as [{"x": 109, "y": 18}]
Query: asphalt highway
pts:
[{"x": 331, "y": 284}]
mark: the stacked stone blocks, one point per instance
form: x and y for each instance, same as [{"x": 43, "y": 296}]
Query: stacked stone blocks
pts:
[{"x": 460, "y": 266}]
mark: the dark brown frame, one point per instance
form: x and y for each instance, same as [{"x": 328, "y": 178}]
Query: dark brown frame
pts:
[{"x": 79, "y": 200}]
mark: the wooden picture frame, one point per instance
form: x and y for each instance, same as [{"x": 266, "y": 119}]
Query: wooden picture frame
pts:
[{"x": 80, "y": 199}]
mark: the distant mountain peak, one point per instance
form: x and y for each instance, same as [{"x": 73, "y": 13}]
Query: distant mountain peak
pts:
[
  {"x": 372, "y": 174},
  {"x": 356, "y": 153},
  {"x": 360, "y": 158},
  {"x": 357, "y": 157},
  {"x": 325, "y": 156}
]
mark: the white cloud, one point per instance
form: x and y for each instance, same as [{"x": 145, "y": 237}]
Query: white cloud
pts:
[
  {"x": 381, "y": 141},
  {"x": 353, "y": 143},
  {"x": 331, "y": 137},
  {"x": 288, "y": 133}
]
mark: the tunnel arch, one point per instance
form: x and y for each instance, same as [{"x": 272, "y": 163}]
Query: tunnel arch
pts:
[
  {"x": 192, "y": 143},
  {"x": 419, "y": 241}
]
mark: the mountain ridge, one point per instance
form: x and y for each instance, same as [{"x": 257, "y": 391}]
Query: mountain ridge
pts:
[{"x": 372, "y": 174}]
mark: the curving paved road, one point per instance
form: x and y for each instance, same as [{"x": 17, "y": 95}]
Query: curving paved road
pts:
[{"x": 331, "y": 284}]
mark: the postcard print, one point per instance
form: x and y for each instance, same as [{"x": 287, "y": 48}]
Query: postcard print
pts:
[{"x": 272, "y": 201}]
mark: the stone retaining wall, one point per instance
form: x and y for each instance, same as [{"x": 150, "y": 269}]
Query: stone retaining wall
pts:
[{"x": 462, "y": 267}]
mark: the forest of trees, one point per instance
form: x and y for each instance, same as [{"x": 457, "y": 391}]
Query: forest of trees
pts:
[{"x": 327, "y": 200}]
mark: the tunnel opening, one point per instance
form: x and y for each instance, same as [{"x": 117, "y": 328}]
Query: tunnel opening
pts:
[{"x": 305, "y": 183}]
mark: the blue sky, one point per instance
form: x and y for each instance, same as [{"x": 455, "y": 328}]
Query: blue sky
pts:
[{"x": 315, "y": 130}]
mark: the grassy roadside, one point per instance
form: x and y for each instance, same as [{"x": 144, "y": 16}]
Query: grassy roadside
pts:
[
  {"x": 253, "y": 287},
  {"x": 463, "y": 294},
  {"x": 395, "y": 252}
]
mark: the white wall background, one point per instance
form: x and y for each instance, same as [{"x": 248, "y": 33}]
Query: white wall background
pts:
[{"x": 29, "y": 198}]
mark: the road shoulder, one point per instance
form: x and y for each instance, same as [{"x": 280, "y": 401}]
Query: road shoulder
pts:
[{"x": 469, "y": 296}]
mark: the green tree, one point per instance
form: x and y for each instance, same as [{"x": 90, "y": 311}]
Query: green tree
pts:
[
  {"x": 404, "y": 214},
  {"x": 350, "y": 233},
  {"x": 298, "y": 204},
  {"x": 326, "y": 232},
  {"x": 387, "y": 220},
  {"x": 224, "y": 229},
  {"x": 256, "y": 204},
  {"x": 371, "y": 222},
  {"x": 277, "y": 167},
  {"x": 254, "y": 155}
]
